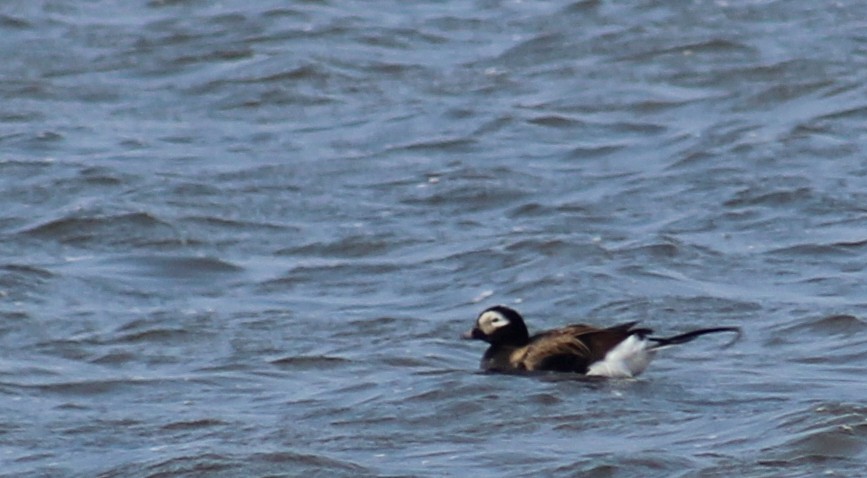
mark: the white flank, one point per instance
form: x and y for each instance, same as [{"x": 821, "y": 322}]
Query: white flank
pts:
[{"x": 628, "y": 359}]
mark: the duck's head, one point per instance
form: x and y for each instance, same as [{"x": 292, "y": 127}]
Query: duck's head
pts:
[{"x": 499, "y": 325}]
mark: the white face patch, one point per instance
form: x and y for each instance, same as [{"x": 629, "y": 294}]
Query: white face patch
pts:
[{"x": 492, "y": 320}]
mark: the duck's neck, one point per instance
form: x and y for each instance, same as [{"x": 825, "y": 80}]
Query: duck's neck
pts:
[
  {"x": 498, "y": 358},
  {"x": 517, "y": 336}
]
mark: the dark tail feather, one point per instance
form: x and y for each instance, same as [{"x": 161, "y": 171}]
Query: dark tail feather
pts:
[{"x": 690, "y": 336}]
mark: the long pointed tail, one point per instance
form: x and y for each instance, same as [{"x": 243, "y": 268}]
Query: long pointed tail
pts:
[{"x": 690, "y": 336}]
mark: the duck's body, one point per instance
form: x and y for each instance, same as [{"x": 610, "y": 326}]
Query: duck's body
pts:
[{"x": 619, "y": 351}]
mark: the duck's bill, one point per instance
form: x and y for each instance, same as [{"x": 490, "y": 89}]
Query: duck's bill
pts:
[{"x": 472, "y": 334}]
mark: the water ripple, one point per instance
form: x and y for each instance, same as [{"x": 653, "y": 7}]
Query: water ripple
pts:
[{"x": 242, "y": 238}]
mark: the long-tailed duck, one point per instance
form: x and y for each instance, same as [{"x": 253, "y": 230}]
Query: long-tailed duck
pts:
[{"x": 620, "y": 351}]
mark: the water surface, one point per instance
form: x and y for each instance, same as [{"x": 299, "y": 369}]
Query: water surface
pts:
[{"x": 242, "y": 239}]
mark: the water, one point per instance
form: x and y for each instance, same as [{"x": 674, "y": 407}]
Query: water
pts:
[{"x": 241, "y": 239}]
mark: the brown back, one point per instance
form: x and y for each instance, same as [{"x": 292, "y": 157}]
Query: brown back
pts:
[{"x": 572, "y": 348}]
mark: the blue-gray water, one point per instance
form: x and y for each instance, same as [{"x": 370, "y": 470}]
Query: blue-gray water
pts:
[{"x": 241, "y": 238}]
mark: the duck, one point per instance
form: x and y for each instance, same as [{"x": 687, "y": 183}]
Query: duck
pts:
[{"x": 620, "y": 351}]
